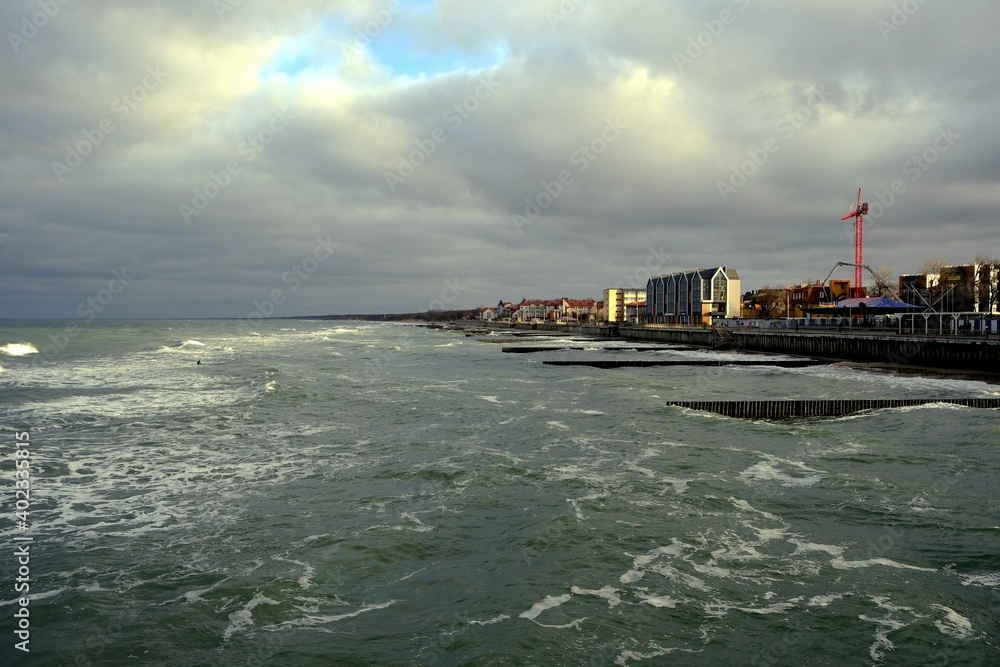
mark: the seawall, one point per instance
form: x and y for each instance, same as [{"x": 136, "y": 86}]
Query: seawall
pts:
[{"x": 972, "y": 353}]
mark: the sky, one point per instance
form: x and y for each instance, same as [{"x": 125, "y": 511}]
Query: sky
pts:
[{"x": 239, "y": 158}]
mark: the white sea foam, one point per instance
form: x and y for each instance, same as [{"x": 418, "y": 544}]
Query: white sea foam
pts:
[
  {"x": 190, "y": 597},
  {"x": 991, "y": 580},
  {"x": 689, "y": 580},
  {"x": 882, "y": 642},
  {"x": 954, "y": 624},
  {"x": 18, "y": 349},
  {"x": 238, "y": 620},
  {"x": 33, "y": 597},
  {"x": 631, "y": 576},
  {"x": 767, "y": 471},
  {"x": 548, "y": 603},
  {"x": 663, "y": 601},
  {"x": 609, "y": 593},
  {"x": 625, "y": 657},
  {"x": 680, "y": 486},
  {"x": 747, "y": 507},
  {"x": 840, "y": 564},
  {"x": 305, "y": 581},
  {"x": 308, "y": 621},
  {"x": 806, "y": 547},
  {"x": 497, "y": 619},
  {"x": 768, "y": 534},
  {"x": 824, "y": 600},
  {"x": 416, "y": 525},
  {"x": 575, "y": 502},
  {"x": 559, "y": 425},
  {"x": 776, "y": 608}
]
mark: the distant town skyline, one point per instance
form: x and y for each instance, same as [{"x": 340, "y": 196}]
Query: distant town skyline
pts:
[{"x": 232, "y": 158}]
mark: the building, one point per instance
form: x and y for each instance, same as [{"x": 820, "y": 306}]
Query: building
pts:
[
  {"x": 616, "y": 302},
  {"x": 580, "y": 310},
  {"x": 635, "y": 312},
  {"x": 916, "y": 288},
  {"x": 529, "y": 311},
  {"x": 959, "y": 288},
  {"x": 693, "y": 298}
]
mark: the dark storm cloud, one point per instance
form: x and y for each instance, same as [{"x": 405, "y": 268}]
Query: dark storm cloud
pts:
[{"x": 225, "y": 142}]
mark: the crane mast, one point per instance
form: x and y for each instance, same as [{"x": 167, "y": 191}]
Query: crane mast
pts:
[{"x": 860, "y": 210}]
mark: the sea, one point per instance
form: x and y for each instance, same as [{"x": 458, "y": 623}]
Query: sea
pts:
[{"x": 350, "y": 493}]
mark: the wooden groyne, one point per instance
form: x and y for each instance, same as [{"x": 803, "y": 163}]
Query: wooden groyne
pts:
[
  {"x": 645, "y": 363},
  {"x": 525, "y": 349},
  {"x": 778, "y": 409}
]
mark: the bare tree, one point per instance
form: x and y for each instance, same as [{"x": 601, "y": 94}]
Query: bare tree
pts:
[
  {"x": 932, "y": 266},
  {"x": 772, "y": 301},
  {"x": 987, "y": 279},
  {"x": 881, "y": 284}
]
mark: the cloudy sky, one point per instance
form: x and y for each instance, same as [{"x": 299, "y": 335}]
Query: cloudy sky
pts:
[{"x": 191, "y": 158}]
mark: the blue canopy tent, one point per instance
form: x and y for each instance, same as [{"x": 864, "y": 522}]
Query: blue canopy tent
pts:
[
  {"x": 865, "y": 307},
  {"x": 873, "y": 305}
]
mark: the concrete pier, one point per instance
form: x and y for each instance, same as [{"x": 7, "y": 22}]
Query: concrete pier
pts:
[
  {"x": 778, "y": 409},
  {"x": 973, "y": 353}
]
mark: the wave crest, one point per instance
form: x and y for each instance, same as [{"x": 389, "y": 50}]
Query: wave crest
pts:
[{"x": 18, "y": 349}]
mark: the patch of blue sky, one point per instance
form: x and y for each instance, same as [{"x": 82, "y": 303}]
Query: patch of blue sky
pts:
[
  {"x": 314, "y": 50},
  {"x": 289, "y": 62},
  {"x": 397, "y": 53}
]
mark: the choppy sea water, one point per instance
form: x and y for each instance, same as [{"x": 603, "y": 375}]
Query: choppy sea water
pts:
[{"x": 330, "y": 493}]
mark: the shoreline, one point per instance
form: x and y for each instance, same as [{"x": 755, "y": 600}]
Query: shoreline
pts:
[{"x": 972, "y": 358}]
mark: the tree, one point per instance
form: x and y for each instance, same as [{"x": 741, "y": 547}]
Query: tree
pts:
[
  {"x": 987, "y": 278},
  {"x": 932, "y": 266},
  {"x": 881, "y": 284},
  {"x": 772, "y": 301}
]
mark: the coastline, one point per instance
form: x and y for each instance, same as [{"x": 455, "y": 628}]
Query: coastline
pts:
[{"x": 967, "y": 357}]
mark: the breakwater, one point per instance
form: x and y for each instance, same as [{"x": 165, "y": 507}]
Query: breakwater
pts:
[
  {"x": 884, "y": 348},
  {"x": 647, "y": 363},
  {"x": 776, "y": 409}
]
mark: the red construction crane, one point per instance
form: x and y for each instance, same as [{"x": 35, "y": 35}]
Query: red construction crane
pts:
[{"x": 859, "y": 211}]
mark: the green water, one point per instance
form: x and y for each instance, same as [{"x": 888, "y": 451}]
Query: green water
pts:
[{"x": 321, "y": 493}]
